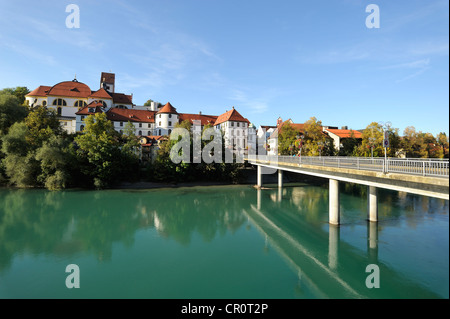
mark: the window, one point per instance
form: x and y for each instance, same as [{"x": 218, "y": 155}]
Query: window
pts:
[
  {"x": 170, "y": 123},
  {"x": 121, "y": 123},
  {"x": 80, "y": 103},
  {"x": 149, "y": 125},
  {"x": 159, "y": 123},
  {"x": 44, "y": 103},
  {"x": 237, "y": 124},
  {"x": 140, "y": 124},
  {"x": 140, "y": 133},
  {"x": 59, "y": 110},
  {"x": 159, "y": 132},
  {"x": 170, "y": 116},
  {"x": 59, "y": 102},
  {"x": 232, "y": 124},
  {"x": 160, "y": 116},
  {"x": 170, "y": 131},
  {"x": 81, "y": 127},
  {"x": 149, "y": 133}
]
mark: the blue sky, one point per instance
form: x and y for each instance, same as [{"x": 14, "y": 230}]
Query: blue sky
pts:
[{"x": 294, "y": 59}]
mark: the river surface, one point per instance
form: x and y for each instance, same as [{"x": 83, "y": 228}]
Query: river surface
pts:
[{"x": 221, "y": 242}]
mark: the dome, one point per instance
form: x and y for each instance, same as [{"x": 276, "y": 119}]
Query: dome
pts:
[{"x": 70, "y": 89}]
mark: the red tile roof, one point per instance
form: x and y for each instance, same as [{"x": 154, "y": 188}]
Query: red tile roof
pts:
[
  {"x": 70, "y": 89},
  {"x": 298, "y": 127},
  {"x": 204, "y": 119},
  {"x": 42, "y": 90},
  {"x": 108, "y": 77},
  {"x": 267, "y": 127},
  {"x": 101, "y": 94},
  {"x": 168, "y": 108},
  {"x": 345, "y": 133},
  {"x": 120, "y": 98},
  {"x": 125, "y": 115},
  {"x": 85, "y": 110},
  {"x": 231, "y": 115}
]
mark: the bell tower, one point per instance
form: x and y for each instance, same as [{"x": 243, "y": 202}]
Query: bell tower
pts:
[{"x": 107, "y": 81}]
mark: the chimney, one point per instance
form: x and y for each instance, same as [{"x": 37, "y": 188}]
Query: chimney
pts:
[
  {"x": 200, "y": 113},
  {"x": 345, "y": 128}
]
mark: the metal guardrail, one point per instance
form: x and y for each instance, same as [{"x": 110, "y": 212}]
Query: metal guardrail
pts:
[{"x": 411, "y": 166}]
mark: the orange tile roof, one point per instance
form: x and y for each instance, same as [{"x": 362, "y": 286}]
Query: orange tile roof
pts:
[
  {"x": 231, "y": 115},
  {"x": 85, "y": 109},
  {"x": 345, "y": 133},
  {"x": 42, "y": 90},
  {"x": 102, "y": 94},
  {"x": 120, "y": 98},
  {"x": 295, "y": 126},
  {"x": 125, "y": 115},
  {"x": 70, "y": 89},
  {"x": 204, "y": 119},
  {"x": 168, "y": 108}
]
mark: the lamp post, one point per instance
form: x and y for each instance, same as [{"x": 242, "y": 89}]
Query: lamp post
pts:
[{"x": 371, "y": 143}]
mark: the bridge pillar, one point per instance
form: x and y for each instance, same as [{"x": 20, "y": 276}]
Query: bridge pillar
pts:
[
  {"x": 372, "y": 204},
  {"x": 280, "y": 178},
  {"x": 334, "y": 213},
  {"x": 333, "y": 244},
  {"x": 258, "y": 199},
  {"x": 259, "y": 176},
  {"x": 372, "y": 241}
]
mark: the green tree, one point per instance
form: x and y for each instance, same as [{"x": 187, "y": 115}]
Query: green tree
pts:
[
  {"x": 349, "y": 145},
  {"x": 19, "y": 92},
  {"x": 11, "y": 111},
  {"x": 20, "y": 164},
  {"x": 148, "y": 103},
  {"x": 99, "y": 147},
  {"x": 54, "y": 158},
  {"x": 42, "y": 123}
]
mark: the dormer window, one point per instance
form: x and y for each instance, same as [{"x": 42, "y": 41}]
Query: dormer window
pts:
[{"x": 91, "y": 110}]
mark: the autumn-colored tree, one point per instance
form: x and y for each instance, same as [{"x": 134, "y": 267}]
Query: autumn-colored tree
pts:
[
  {"x": 315, "y": 142},
  {"x": 288, "y": 140}
]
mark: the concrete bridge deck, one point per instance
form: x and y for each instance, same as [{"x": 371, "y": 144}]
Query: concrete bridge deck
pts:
[{"x": 422, "y": 177}]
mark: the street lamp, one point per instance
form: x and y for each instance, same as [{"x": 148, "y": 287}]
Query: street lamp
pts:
[{"x": 371, "y": 143}]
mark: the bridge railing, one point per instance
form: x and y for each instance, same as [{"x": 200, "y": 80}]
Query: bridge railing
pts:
[{"x": 412, "y": 166}]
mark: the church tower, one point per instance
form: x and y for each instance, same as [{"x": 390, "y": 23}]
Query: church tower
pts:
[{"x": 107, "y": 81}]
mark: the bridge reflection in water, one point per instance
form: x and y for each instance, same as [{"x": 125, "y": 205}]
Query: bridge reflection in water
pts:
[{"x": 336, "y": 271}]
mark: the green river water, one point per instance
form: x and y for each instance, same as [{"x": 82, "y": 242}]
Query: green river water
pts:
[{"x": 221, "y": 242}]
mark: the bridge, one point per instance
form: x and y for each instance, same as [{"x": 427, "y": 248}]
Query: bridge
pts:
[{"x": 427, "y": 177}]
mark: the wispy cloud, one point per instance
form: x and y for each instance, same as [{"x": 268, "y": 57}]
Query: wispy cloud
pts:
[
  {"x": 31, "y": 53},
  {"x": 256, "y": 105},
  {"x": 418, "y": 64},
  {"x": 409, "y": 77}
]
